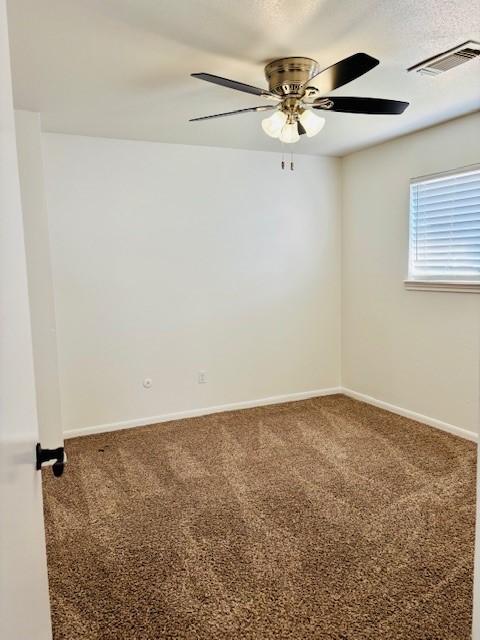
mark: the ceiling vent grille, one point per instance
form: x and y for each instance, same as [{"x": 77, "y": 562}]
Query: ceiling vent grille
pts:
[{"x": 448, "y": 59}]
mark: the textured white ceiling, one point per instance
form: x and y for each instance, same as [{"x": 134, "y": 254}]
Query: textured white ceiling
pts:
[{"x": 121, "y": 68}]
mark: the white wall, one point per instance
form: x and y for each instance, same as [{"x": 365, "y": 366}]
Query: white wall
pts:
[
  {"x": 418, "y": 350},
  {"x": 170, "y": 259},
  {"x": 24, "y": 604},
  {"x": 40, "y": 283}
]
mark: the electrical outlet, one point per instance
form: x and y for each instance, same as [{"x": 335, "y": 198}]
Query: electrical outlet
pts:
[
  {"x": 202, "y": 377},
  {"x": 147, "y": 383}
]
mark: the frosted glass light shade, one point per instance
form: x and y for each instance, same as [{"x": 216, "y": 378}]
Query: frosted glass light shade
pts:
[
  {"x": 289, "y": 133},
  {"x": 312, "y": 123},
  {"x": 274, "y": 124}
]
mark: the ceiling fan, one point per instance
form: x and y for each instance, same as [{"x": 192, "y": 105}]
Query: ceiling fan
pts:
[{"x": 298, "y": 85}]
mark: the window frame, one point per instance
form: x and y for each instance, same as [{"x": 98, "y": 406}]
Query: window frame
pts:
[{"x": 437, "y": 283}]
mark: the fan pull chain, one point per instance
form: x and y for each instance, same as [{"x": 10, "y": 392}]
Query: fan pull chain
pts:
[
  {"x": 291, "y": 161},
  {"x": 283, "y": 157}
]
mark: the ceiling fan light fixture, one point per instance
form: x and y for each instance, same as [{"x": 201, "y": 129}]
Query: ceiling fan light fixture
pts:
[
  {"x": 274, "y": 124},
  {"x": 298, "y": 85},
  {"x": 289, "y": 133},
  {"x": 312, "y": 123}
]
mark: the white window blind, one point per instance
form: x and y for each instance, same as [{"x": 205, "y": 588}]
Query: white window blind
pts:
[{"x": 445, "y": 226}]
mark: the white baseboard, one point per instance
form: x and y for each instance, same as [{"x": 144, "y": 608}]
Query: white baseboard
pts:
[
  {"x": 192, "y": 413},
  {"x": 290, "y": 397},
  {"x": 406, "y": 413}
]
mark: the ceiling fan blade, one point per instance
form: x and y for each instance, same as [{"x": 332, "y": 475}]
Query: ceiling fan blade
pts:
[
  {"x": 265, "y": 107},
  {"x": 342, "y": 72},
  {"x": 301, "y": 129},
  {"x": 233, "y": 84},
  {"x": 363, "y": 105}
]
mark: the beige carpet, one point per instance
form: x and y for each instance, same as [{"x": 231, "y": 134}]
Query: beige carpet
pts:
[{"x": 325, "y": 518}]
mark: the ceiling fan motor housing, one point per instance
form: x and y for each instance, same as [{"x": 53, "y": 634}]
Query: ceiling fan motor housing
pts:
[{"x": 286, "y": 76}]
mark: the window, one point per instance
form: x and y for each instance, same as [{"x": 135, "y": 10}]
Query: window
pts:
[{"x": 445, "y": 231}]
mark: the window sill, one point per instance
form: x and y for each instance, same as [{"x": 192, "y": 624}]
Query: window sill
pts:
[{"x": 456, "y": 286}]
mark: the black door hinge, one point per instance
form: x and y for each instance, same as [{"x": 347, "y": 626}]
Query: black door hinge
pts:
[{"x": 44, "y": 455}]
